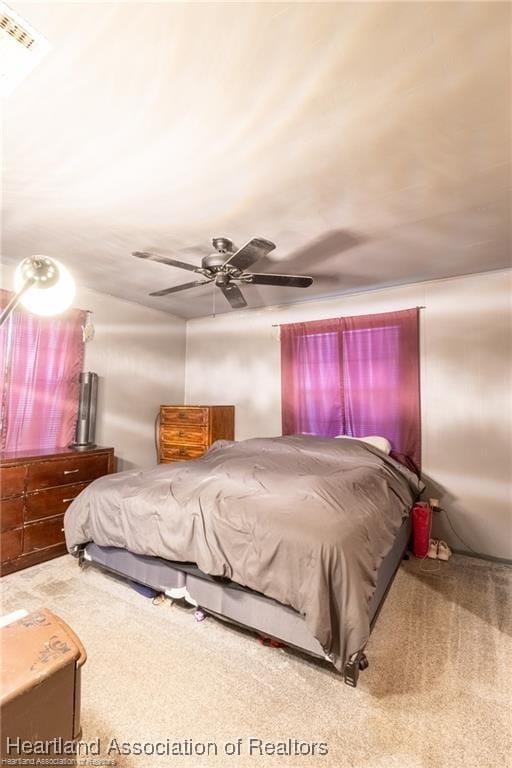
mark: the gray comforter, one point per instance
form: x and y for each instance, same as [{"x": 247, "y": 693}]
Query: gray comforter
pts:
[{"x": 304, "y": 520}]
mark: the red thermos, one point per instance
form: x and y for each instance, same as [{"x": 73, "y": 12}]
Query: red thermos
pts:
[{"x": 421, "y": 521}]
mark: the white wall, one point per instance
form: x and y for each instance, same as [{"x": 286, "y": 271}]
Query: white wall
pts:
[
  {"x": 139, "y": 356},
  {"x": 466, "y": 385}
]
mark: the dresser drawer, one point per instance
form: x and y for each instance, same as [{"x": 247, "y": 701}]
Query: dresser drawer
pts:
[
  {"x": 11, "y": 514},
  {"x": 44, "y": 534},
  {"x": 11, "y": 545},
  {"x": 12, "y": 481},
  {"x": 51, "y": 502},
  {"x": 71, "y": 470},
  {"x": 180, "y": 452},
  {"x": 176, "y": 416},
  {"x": 183, "y": 434}
]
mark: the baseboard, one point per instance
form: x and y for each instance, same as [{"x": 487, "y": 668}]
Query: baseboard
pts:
[{"x": 481, "y": 556}]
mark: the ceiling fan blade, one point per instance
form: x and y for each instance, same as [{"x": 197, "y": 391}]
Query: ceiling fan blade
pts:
[
  {"x": 233, "y": 295},
  {"x": 250, "y": 252},
  {"x": 293, "y": 281},
  {"x": 165, "y": 260},
  {"x": 177, "y": 288}
]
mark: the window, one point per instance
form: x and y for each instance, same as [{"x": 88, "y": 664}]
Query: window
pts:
[
  {"x": 318, "y": 373},
  {"x": 355, "y": 376},
  {"x": 40, "y": 363},
  {"x": 371, "y": 376}
]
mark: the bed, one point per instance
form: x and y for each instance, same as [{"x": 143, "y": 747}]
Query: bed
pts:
[{"x": 295, "y": 537}]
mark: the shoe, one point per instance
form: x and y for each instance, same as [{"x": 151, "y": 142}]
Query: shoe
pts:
[
  {"x": 432, "y": 549},
  {"x": 443, "y": 551}
]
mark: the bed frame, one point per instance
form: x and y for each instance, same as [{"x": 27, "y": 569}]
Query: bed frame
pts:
[{"x": 239, "y": 605}]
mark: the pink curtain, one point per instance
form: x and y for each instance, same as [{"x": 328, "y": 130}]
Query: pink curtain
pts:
[
  {"x": 354, "y": 376},
  {"x": 40, "y": 362}
]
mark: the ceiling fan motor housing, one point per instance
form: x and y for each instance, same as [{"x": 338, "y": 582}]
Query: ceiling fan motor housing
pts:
[
  {"x": 223, "y": 247},
  {"x": 214, "y": 261}
]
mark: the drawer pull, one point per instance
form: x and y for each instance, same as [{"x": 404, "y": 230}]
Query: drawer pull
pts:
[
  {"x": 71, "y": 471},
  {"x": 71, "y": 499}
]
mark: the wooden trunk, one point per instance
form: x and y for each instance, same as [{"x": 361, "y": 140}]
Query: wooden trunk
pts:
[{"x": 40, "y": 669}]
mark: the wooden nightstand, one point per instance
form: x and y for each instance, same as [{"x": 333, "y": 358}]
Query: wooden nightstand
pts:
[{"x": 187, "y": 431}]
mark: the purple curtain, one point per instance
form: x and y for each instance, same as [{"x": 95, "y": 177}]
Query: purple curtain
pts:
[
  {"x": 354, "y": 376},
  {"x": 40, "y": 362}
]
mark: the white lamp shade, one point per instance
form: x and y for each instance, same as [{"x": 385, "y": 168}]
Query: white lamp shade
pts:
[{"x": 47, "y": 300}]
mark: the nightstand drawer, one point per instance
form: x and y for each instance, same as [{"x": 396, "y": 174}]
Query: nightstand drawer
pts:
[
  {"x": 62, "y": 471},
  {"x": 177, "y": 416},
  {"x": 181, "y": 452},
  {"x": 51, "y": 502},
  {"x": 11, "y": 514},
  {"x": 12, "y": 481},
  {"x": 183, "y": 434},
  {"x": 47, "y": 533}
]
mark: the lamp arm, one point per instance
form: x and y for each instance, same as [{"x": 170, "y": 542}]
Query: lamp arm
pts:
[{"x": 15, "y": 300}]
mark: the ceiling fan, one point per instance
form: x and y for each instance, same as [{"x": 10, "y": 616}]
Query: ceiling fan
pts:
[{"x": 227, "y": 269}]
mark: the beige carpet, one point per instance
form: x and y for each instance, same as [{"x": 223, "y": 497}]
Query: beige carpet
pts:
[{"x": 437, "y": 692}]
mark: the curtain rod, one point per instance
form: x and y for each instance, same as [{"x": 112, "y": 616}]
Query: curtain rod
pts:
[{"x": 278, "y": 325}]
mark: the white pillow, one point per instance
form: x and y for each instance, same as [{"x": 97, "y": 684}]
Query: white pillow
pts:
[{"x": 378, "y": 442}]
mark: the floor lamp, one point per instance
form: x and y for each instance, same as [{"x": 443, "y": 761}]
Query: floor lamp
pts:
[{"x": 43, "y": 286}]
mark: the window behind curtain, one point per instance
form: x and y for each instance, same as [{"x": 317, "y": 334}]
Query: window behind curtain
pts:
[
  {"x": 371, "y": 377},
  {"x": 40, "y": 363},
  {"x": 317, "y": 368},
  {"x": 355, "y": 376}
]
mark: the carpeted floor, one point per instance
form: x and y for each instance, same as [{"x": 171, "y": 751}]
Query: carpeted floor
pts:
[{"x": 437, "y": 692}]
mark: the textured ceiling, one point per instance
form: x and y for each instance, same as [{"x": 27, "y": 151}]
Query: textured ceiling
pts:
[{"x": 370, "y": 141}]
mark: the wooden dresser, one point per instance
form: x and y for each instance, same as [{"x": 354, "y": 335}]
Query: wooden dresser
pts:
[
  {"x": 186, "y": 431},
  {"x": 36, "y": 488}
]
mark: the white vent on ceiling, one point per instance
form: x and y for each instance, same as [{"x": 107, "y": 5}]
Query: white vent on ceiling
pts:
[{"x": 21, "y": 49}]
